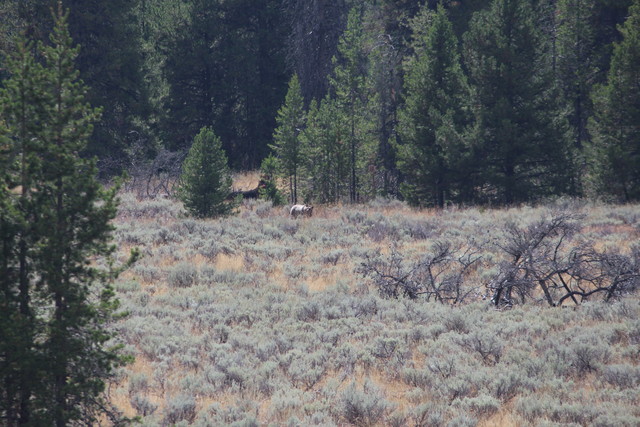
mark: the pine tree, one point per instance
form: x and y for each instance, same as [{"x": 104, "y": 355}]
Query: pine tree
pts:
[
  {"x": 352, "y": 94},
  {"x": 74, "y": 225},
  {"x": 325, "y": 154},
  {"x": 433, "y": 119},
  {"x": 226, "y": 69},
  {"x": 111, "y": 65},
  {"x": 519, "y": 148},
  {"x": 385, "y": 70},
  {"x": 111, "y": 62},
  {"x": 316, "y": 26},
  {"x": 21, "y": 165},
  {"x": 615, "y": 151},
  {"x": 575, "y": 65},
  {"x": 205, "y": 182},
  {"x": 190, "y": 69},
  {"x": 268, "y": 189},
  {"x": 59, "y": 215},
  {"x": 286, "y": 138}
]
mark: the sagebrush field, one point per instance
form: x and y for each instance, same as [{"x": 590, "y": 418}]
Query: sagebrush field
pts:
[{"x": 260, "y": 319}]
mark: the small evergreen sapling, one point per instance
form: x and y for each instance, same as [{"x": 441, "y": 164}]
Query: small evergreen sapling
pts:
[
  {"x": 269, "y": 189},
  {"x": 205, "y": 182}
]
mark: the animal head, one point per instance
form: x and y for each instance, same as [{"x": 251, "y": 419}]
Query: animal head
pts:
[{"x": 307, "y": 210}]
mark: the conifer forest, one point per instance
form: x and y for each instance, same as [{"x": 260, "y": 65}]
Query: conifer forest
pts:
[
  {"x": 464, "y": 252},
  {"x": 465, "y": 102}
]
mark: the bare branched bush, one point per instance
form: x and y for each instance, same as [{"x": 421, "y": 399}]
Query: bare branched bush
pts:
[
  {"x": 545, "y": 261},
  {"x": 439, "y": 276},
  {"x": 157, "y": 177},
  {"x": 487, "y": 345},
  {"x": 610, "y": 273}
]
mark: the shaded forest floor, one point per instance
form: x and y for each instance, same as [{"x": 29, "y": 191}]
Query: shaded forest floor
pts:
[{"x": 259, "y": 319}]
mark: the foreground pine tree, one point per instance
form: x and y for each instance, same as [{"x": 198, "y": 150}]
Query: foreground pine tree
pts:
[
  {"x": 20, "y": 165},
  {"x": 55, "y": 229},
  {"x": 205, "y": 182}
]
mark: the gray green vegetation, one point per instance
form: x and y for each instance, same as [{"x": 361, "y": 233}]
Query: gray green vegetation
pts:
[{"x": 260, "y": 319}]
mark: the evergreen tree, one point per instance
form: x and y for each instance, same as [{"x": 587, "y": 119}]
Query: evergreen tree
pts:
[
  {"x": 159, "y": 24},
  {"x": 352, "y": 94},
  {"x": 385, "y": 60},
  {"x": 226, "y": 69},
  {"x": 575, "y": 64},
  {"x": 610, "y": 15},
  {"x": 59, "y": 216},
  {"x": 205, "y": 182},
  {"x": 520, "y": 151},
  {"x": 615, "y": 152},
  {"x": 433, "y": 119},
  {"x": 325, "y": 153},
  {"x": 9, "y": 29},
  {"x": 20, "y": 102},
  {"x": 461, "y": 12},
  {"x": 191, "y": 73},
  {"x": 316, "y": 26},
  {"x": 111, "y": 65},
  {"x": 286, "y": 140},
  {"x": 268, "y": 188}
]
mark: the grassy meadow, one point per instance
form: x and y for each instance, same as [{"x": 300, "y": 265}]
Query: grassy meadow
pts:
[{"x": 259, "y": 319}]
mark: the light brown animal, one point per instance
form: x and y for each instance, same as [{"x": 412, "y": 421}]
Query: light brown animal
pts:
[{"x": 298, "y": 210}]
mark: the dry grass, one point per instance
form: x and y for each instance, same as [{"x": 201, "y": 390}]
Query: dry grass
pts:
[
  {"x": 505, "y": 417},
  {"x": 322, "y": 282},
  {"x": 245, "y": 180},
  {"x": 252, "y": 294},
  {"x": 229, "y": 262}
]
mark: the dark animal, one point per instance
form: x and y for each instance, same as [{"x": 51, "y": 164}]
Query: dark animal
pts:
[{"x": 247, "y": 194}]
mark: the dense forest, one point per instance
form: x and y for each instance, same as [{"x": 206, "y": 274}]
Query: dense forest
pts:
[{"x": 436, "y": 102}]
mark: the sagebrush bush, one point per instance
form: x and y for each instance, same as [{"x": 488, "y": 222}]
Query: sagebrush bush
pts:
[
  {"x": 179, "y": 408},
  {"x": 622, "y": 376},
  {"x": 463, "y": 421},
  {"x": 138, "y": 383},
  {"x": 142, "y": 405},
  {"x": 363, "y": 407},
  {"x": 268, "y": 317},
  {"x": 481, "y": 406}
]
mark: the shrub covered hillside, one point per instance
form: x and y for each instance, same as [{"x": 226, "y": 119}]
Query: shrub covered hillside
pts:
[{"x": 380, "y": 314}]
